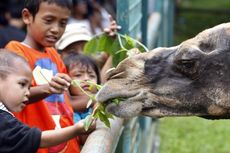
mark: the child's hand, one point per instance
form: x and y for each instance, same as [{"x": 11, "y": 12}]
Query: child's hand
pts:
[
  {"x": 59, "y": 83},
  {"x": 81, "y": 128},
  {"x": 111, "y": 31}
]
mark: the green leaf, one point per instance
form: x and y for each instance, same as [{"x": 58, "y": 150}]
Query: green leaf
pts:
[
  {"x": 109, "y": 115},
  {"x": 117, "y": 57},
  {"x": 104, "y": 119},
  {"x": 95, "y": 115},
  {"x": 89, "y": 103},
  {"x": 113, "y": 46},
  {"x": 130, "y": 41},
  {"x": 105, "y": 44},
  {"x": 91, "y": 46},
  {"x": 87, "y": 122},
  {"x": 100, "y": 111},
  {"x": 76, "y": 83},
  {"x": 116, "y": 101},
  {"x": 94, "y": 84}
]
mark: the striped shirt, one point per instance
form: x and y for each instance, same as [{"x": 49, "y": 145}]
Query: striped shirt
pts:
[{"x": 3, "y": 107}]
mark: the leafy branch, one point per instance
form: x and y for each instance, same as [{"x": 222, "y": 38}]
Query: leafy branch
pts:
[
  {"x": 120, "y": 47},
  {"x": 99, "y": 111},
  {"x": 117, "y": 47}
]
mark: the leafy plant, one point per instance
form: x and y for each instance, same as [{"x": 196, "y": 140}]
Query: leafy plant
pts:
[
  {"x": 99, "y": 111},
  {"x": 117, "y": 47}
]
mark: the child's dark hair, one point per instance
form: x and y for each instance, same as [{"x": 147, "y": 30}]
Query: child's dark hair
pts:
[
  {"x": 84, "y": 60},
  {"x": 7, "y": 64},
  {"x": 33, "y": 5}
]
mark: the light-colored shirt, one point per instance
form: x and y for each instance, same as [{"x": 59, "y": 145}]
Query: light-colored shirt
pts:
[{"x": 3, "y": 107}]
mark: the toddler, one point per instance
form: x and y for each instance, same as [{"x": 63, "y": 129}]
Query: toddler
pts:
[
  {"x": 82, "y": 68},
  {"x": 16, "y": 77}
]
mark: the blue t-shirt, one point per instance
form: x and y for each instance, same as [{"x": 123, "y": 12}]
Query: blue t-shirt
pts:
[{"x": 81, "y": 115}]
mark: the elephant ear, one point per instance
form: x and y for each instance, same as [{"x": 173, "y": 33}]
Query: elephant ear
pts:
[{"x": 117, "y": 46}]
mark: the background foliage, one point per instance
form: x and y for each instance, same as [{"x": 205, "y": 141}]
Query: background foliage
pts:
[
  {"x": 194, "y": 135},
  {"x": 189, "y": 23}
]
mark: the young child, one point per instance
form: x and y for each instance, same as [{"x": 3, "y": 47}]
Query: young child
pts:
[
  {"x": 83, "y": 68},
  {"x": 16, "y": 76},
  {"x": 46, "y": 21}
]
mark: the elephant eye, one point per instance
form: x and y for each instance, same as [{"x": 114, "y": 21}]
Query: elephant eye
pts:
[{"x": 187, "y": 67}]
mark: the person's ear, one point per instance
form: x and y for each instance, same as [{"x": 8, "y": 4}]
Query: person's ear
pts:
[{"x": 27, "y": 17}]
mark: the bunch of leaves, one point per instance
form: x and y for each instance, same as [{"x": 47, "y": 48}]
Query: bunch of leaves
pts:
[
  {"x": 117, "y": 46},
  {"x": 99, "y": 111}
]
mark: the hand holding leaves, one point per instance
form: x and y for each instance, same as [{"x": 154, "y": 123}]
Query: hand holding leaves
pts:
[{"x": 99, "y": 111}]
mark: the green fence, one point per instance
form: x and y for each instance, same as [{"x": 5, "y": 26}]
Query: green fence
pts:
[{"x": 154, "y": 28}]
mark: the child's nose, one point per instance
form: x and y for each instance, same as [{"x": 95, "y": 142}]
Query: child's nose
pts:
[
  {"x": 27, "y": 93},
  {"x": 86, "y": 77},
  {"x": 55, "y": 28}
]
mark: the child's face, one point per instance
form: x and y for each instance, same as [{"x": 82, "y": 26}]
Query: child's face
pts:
[
  {"x": 83, "y": 73},
  {"x": 14, "y": 89},
  {"x": 47, "y": 26}
]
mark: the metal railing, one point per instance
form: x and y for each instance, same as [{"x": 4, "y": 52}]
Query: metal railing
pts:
[{"x": 104, "y": 139}]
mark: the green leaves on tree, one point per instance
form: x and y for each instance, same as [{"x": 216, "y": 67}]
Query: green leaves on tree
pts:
[{"x": 117, "y": 47}]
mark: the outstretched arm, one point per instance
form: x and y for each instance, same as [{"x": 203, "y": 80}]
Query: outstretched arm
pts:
[{"x": 55, "y": 137}]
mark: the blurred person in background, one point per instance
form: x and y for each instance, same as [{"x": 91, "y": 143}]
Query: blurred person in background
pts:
[
  {"x": 98, "y": 16},
  {"x": 80, "y": 13},
  {"x": 110, "y": 6},
  {"x": 15, "y": 15},
  {"x": 76, "y": 35},
  {"x": 73, "y": 40},
  {"x": 11, "y": 23},
  {"x": 91, "y": 13}
]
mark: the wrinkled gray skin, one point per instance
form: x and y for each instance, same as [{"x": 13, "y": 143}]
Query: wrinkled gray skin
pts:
[{"x": 191, "y": 79}]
